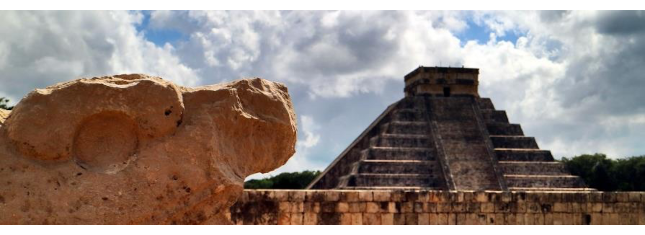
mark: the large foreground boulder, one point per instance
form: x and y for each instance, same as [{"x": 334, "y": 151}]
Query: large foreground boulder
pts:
[{"x": 135, "y": 149}]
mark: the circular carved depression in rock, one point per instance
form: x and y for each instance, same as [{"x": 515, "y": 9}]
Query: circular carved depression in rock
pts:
[{"x": 106, "y": 142}]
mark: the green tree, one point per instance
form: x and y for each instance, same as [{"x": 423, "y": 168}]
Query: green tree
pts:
[
  {"x": 4, "y": 104},
  {"x": 594, "y": 169},
  {"x": 287, "y": 180},
  {"x": 602, "y": 173},
  {"x": 629, "y": 173}
]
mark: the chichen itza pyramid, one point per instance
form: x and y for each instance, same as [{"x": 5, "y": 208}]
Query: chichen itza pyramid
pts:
[{"x": 443, "y": 136}]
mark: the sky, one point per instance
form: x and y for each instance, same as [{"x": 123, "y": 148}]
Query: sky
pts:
[{"x": 572, "y": 79}]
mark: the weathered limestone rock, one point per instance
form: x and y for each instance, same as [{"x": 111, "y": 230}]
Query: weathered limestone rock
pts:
[{"x": 135, "y": 149}]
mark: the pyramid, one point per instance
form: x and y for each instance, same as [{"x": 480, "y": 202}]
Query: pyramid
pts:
[{"x": 443, "y": 136}]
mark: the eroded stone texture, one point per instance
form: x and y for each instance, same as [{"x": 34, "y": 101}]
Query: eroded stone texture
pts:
[{"x": 135, "y": 149}]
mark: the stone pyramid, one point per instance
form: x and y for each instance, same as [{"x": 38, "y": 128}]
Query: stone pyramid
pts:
[{"x": 443, "y": 136}]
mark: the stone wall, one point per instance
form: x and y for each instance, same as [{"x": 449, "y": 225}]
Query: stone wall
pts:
[{"x": 437, "y": 207}]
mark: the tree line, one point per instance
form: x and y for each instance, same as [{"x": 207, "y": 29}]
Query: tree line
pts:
[
  {"x": 287, "y": 180},
  {"x": 605, "y": 174}
]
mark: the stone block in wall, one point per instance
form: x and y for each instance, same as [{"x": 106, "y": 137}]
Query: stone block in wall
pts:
[
  {"x": 399, "y": 219},
  {"x": 397, "y": 196},
  {"x": 622, "y": 197},
  {"x": 475, "y": 219},
  {"x": 296, "y": 196},
  {"x": 418, "y": 207},
  {"x": 357, "y": 207},
  {"x": 310, "y": 219},
  {"x": 423, "y": 218},
  {"x": 560, "y": 207},
  {"x": 284, "y": 218},
  {"x": 371, "y": 219},
  {"x": 411, "y": 219},
  {"x": 296, "y": 218},
  {"x": 433, "y": 219},
  {"x": 608, "y": 197},
  {"x": 596, "y": 207},
  {"x": 499, "y": 218},
  {"x": 391, "y": 207},
  {"x": 329, "y": 218},
  {"x": 635, "y": 196},
  {"x": 461, "y": 219},
  {"x": 411, "y": 196},
  {"x": 490, "y": 218},
  {"x": 526, "y": 219},
  {"x": 387, "y": 219},
  {"x": 557, "y": 218},
  {"x": 431, "y": 207},
  {"x": 328, "y": 207},
  {"x": 608, "y": 207},
  {"x": 481, "y": 196},
  {"x": 488, "y": 207},
  {"x": 357, "y": 218},
  {"x": 315, "y": 196},
  {"x": 297, "y": 207},
  {"x": 519, "y": 219},
  {"x": 332, "y": 196},
  {"x": 311, "y": 206},
  {"x": 365, "y": 196},
  {"x": 342, "y": 207},
  {"x": 457, "y": 207},
  {"x": 510, "y": 218},
  {"x": 349, "y": 196},
  {"x": 444, "y": 207},
  {"x": 407, "y": 207},
  {"x": 372, "y": 207},
  {"x": 345, "y": 218},
  {"x": 472, "y": 207},
  {"x": 281, "y": 195},
  {"x": 381, "y": 196},
  {"x": 548, "y": 218},
  {"x": 457, "y": 197},
  {"x": 284, "y": 207}
]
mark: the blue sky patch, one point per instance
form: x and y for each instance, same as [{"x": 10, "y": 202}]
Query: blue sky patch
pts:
[{"x": 158, "y": 36}]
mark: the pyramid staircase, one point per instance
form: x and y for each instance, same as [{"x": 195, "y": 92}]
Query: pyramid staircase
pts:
[
  {"x": 398, "y": 154},
  {"x": 523, "y": 164}
]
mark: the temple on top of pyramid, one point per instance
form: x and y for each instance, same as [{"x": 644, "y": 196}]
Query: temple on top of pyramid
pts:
[{"x": 443, "y": 136}]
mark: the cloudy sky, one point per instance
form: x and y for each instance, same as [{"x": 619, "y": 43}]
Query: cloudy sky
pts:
[{"x": 574, "y": 80}]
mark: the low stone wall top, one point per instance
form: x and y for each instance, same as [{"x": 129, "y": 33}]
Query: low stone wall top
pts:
[{"x": 437, "y": 207}]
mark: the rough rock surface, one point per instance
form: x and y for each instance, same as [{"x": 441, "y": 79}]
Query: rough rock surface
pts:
[{"x": 135, "y": 149}]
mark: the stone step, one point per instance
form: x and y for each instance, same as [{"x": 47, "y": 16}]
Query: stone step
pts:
[
  {"x": 550, "y": 189},
  {"x": 544, "y": 181},
  {"x": 532, "y": 168},
  {"x": 370, "y": 180},
  {"x": 399, "y": 153},
  {"x": 510, "y": 154},
  {"x": 405, "y": 127},
  {"x": 486, "y": 103},
  {"x": 408, "y": 115},
  {"x": 400, "y": 140},
  {"x": 494, "y": 116},
  {"x": 398, "y": 166},
  {"x": 512, "y": 141},
  {"x": 496, "y": 128}
]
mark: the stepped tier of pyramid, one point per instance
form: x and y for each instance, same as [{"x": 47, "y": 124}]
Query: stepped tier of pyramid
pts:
[{"x": 443, "y": 136}]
